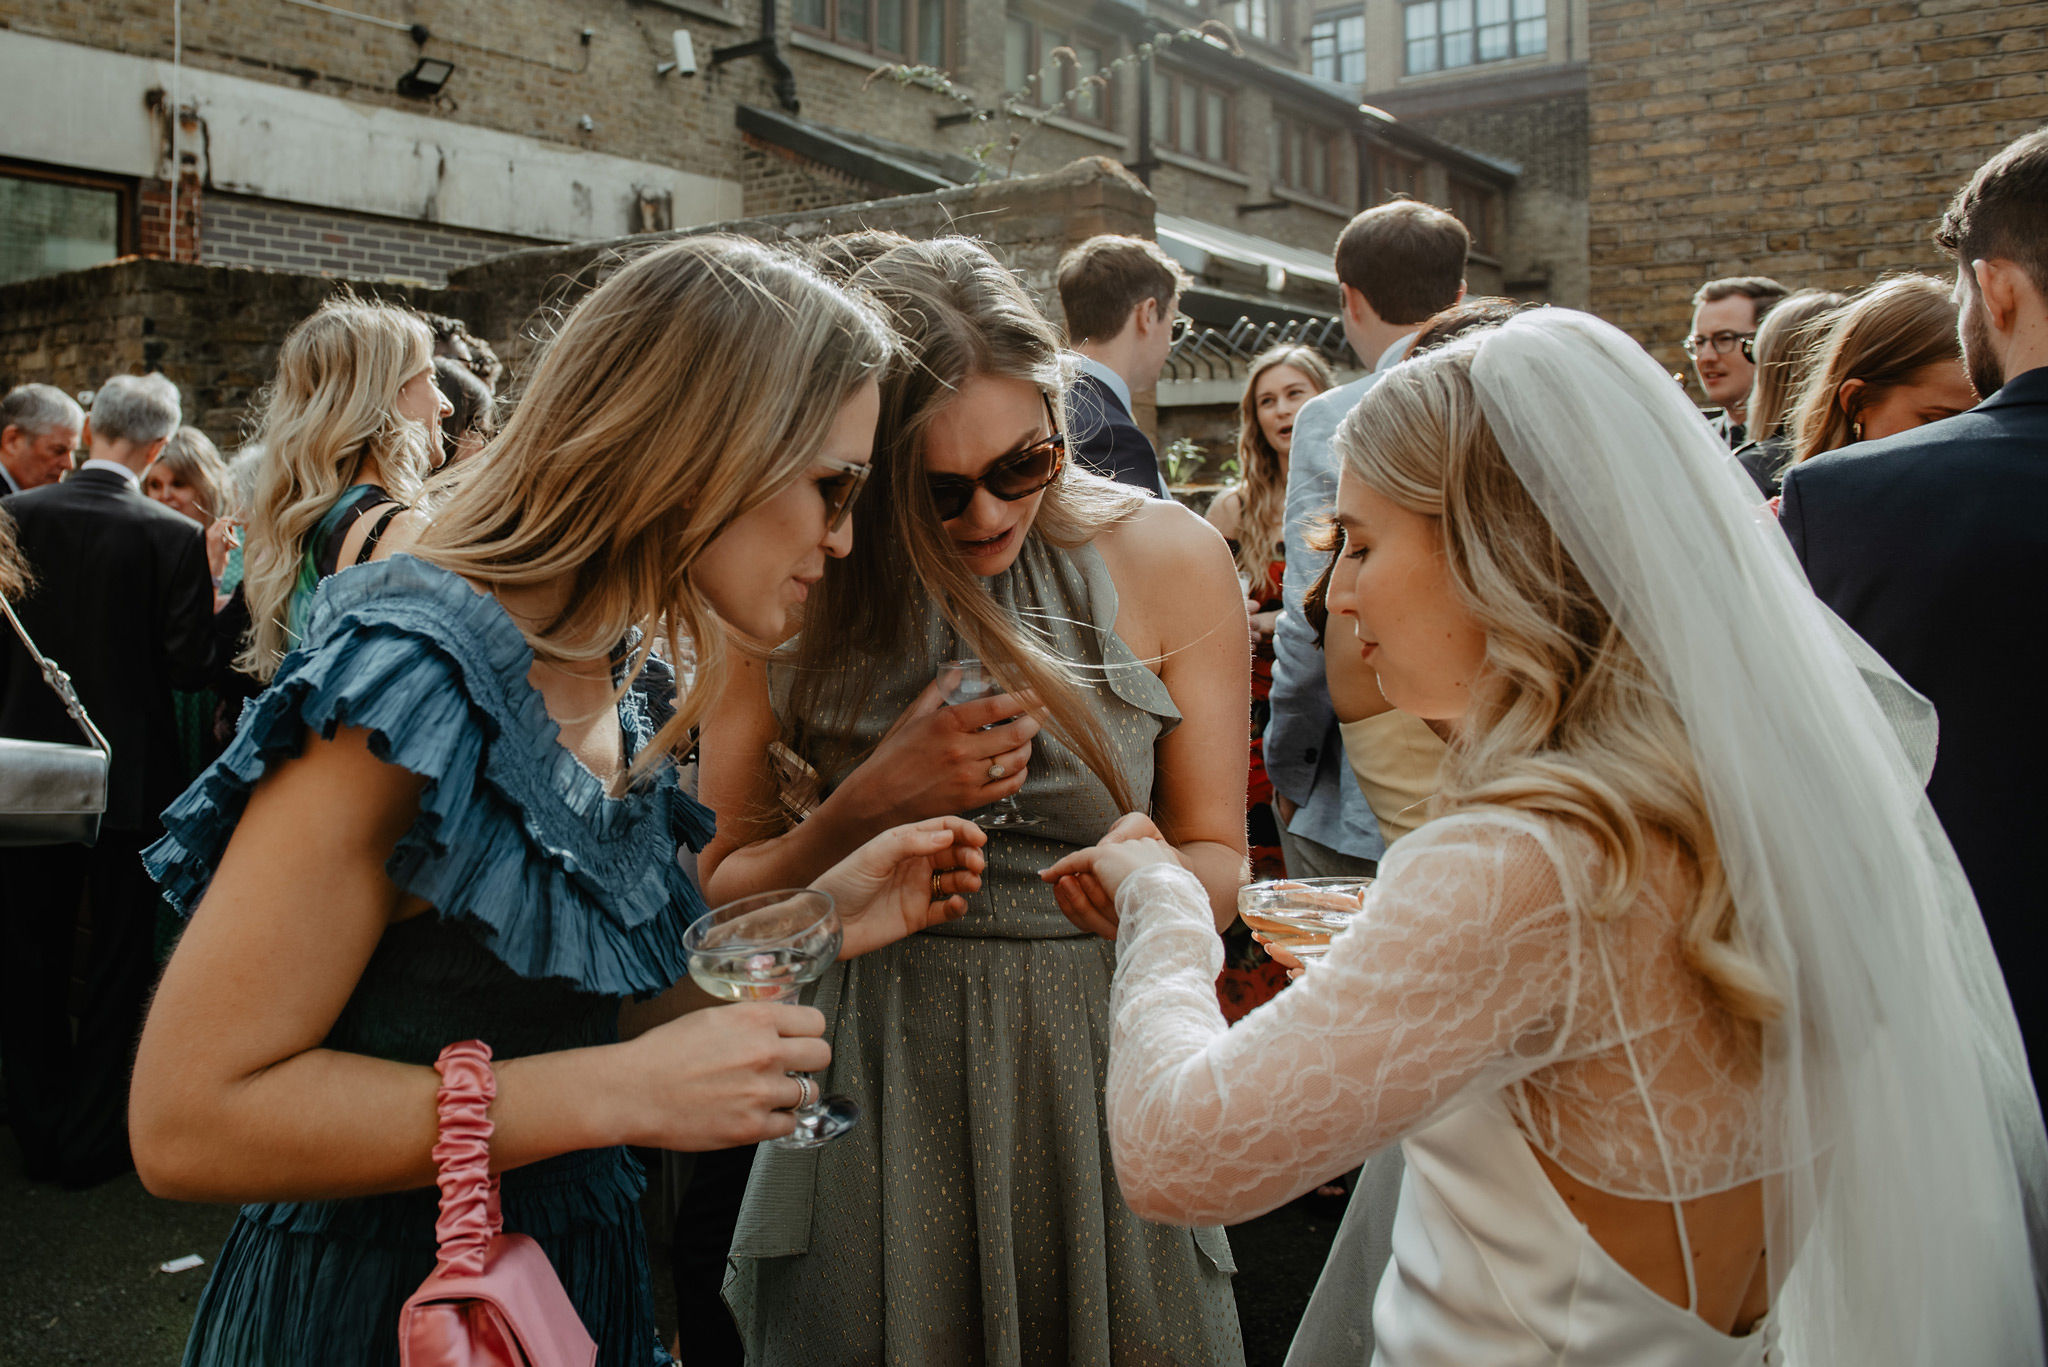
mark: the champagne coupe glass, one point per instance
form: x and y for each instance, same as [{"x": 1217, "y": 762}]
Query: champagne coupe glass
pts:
[
  {"x": 764, "y": 948},
  {"x": 973, "y": 682},
  {"x": 1302, "y": 914}
]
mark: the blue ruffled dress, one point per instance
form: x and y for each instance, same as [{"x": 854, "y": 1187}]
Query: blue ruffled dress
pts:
[{"x": 550, "y": 903}]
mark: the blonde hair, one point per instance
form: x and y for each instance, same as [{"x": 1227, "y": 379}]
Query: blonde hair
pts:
[
  {"x": 1569, "y": 724},
  {"x": 960, "y": 313},
  {"x": 1883, "y": 337},
  {"x": 1261, "y": 475},
  {"x": 16, "y": 578},
  {"x": 692, "y": 386},
  {"x": 332, "y": 409},
  {"x": 191, "y": 455},
  {"x": 1786, "y": 346}
]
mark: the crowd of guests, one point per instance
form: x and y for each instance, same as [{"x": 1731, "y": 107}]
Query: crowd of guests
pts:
[{"x": 1671, "y": 1030}]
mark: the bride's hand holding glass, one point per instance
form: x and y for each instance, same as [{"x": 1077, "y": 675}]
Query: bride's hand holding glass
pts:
[
  {"x": 938, "y": 760},
  {"x": 905, "y": 879}
]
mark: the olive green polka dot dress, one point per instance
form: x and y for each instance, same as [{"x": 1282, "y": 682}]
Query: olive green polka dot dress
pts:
[{"x": 972, "y": 1216}]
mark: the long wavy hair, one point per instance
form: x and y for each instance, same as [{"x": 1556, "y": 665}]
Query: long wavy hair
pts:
[
  {"x": 959, "y": 314},
  {"x": 1883, "y": 337},
  {"x": 330, "y": 415},
  {"x": 1261, "y": 471},
  {"x": 1568, "y": 723},
  {"x": 695, "y": 384},
  {"x": 16, "y": 578},
  {"x": 1787, "y": 343}
]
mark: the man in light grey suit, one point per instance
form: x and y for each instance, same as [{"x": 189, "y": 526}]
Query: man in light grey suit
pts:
[{"x": 1397, "y": 265}]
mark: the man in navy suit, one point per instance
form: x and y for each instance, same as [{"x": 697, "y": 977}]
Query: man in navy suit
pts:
[
  {"x": 124, "y": 603},
  {"x": 1121, "y": 296},
  {"x": 1933, "y": 545}
]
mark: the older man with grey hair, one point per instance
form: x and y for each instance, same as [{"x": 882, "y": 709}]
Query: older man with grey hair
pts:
[
  {"x": 125, "y": 604},
  {"x": 39, "y": 429}
]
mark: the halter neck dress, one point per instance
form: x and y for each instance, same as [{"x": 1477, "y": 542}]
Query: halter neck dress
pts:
[
  {"x": 972, "y": 1216},
  {"x": 550, "y": 902}
]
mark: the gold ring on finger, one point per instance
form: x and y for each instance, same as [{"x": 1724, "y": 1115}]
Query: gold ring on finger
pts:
[{"x": 996, "y": 771}]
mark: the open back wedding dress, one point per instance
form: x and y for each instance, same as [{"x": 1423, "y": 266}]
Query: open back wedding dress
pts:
[{"x": 1481, "y": 1013}]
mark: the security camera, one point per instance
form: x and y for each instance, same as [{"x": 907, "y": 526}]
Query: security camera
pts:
[{"x": 686, "y": 55}]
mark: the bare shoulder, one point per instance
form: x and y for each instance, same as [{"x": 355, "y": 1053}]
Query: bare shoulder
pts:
[
  {"x": 1160, "y": 537},
  {"x": 1227, "y": 510}
]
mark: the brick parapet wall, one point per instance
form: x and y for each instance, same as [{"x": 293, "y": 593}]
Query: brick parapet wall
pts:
[
  {"x": 214, "y": 330},
  {"x": 1814, "y": 143},
  {"x": 241, "y": 231}
]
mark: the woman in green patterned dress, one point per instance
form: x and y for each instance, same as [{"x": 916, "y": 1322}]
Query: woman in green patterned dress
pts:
[{"x": 973, "y": 1215}]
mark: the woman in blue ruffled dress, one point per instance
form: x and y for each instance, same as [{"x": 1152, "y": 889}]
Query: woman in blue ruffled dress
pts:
[{"x": 454, "y": 815}]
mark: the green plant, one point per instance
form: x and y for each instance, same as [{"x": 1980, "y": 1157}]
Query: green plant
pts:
[{"x": 1184, "y": 456}]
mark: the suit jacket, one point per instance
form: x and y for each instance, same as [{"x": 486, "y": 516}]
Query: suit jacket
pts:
[
  {"x": 1304, "y": 751},
  {"x": 1106, "y": 441},
  {"x": 124, "y": 603},
  {"x": 1933, "y": 545}
]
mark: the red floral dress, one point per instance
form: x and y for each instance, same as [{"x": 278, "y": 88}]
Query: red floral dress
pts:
[{"x": 1249, "y": 977}]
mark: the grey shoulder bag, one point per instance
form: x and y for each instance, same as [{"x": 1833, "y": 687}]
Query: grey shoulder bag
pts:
[{"x": 52, "y": 793}]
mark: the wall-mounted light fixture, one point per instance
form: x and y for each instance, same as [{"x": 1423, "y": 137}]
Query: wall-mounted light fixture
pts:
[
  {"x": 686, "y": 55},
  {"x": 426, "y": 78}
]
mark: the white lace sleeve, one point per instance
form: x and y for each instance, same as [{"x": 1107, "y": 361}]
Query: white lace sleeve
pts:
[{"x": 1459, "y": 974}]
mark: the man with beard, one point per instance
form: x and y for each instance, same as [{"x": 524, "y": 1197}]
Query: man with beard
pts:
[{"x": 1933, "y": 545}]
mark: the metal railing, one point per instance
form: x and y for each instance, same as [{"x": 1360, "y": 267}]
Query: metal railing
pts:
[{"x": 1223, "y": 353}]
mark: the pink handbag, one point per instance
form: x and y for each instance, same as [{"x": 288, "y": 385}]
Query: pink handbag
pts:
[{"x": 494, "y": 1299}]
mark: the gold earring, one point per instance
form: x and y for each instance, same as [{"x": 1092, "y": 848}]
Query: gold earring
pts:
[{"x": 1855, "y": 431}]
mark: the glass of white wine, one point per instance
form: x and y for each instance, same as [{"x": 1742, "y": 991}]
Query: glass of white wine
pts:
[
  {"x": 1302, "y": 915},
  {"x": 764, "y": 948},
  {"x": 972, "y": 680}
]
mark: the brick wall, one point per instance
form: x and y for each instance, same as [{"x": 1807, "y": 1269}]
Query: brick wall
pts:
[
  {"x": 775, "y": 180},
  {"x": 258, "y": 232},
  {"x": 214, "y": 330},
  {"x": 1542, "y": 248},
  {"x": 1816, "y": 143}
]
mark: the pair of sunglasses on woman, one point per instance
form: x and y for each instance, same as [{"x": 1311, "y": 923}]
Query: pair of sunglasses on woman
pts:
[{"x": 1018, "y": 475}]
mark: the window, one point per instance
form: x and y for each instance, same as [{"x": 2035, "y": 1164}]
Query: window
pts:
[
  {"x": 1305, "y": 157},
  {"x": 1030, "y": 69},
  {"x": 1474, "y": 207},
  {"x": 1444, "y": 34},
  {"x": 1394, "y": 174},
  {"x": 1252, "y": 19},
  {"x": 916, "y": 30},
  {"x": 52, "y": 222},
  {"x": 1191, "y": 117},
  {"x": 1336, "y": 47}
]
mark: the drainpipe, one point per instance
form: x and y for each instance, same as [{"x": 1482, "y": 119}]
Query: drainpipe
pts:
[
  {"x": 1145, "y": 162},
  {"x": 769, "y": 50},
  {"x": 177, "y": 61}
]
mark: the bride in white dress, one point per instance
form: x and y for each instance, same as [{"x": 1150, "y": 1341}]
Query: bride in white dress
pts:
[{"x": 1681, "y": 1007}]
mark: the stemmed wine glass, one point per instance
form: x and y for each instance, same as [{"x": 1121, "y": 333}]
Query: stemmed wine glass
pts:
[
  {"x": 764, "y": 948},
  {"x": 1302, "y": 915},
  {"x": 974, "y": 681}
]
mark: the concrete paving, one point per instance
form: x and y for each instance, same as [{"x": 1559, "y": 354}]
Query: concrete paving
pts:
[{"x": 79, "y": 1278}]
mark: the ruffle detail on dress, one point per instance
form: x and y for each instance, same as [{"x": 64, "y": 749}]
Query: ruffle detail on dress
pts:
[
  {"x": 515, "y": 839},
  {"x": 1119, "y": 665}
]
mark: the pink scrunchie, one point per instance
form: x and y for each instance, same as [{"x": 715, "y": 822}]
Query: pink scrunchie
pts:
[{"x": 469, "y": 1194}]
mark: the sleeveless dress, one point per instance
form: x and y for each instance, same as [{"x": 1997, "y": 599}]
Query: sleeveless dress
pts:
[
  {"x": 973, "y": 1216},
  {"x": 550, "y": 903}
]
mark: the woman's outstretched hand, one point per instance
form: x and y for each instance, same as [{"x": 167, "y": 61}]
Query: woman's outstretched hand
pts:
[
  {"x": 720, "y": 1078},
  {"x": 1085, "y": 882},
  {"x": 939, "y": 759},
  {"x": 903, "y": 880}
]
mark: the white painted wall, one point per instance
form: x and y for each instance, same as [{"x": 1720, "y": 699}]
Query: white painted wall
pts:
[{"x": 83, "y": 107}]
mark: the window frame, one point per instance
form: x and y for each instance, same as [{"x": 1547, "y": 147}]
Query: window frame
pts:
[
  {"x": 913, "y": 12},
  {"x": 1380, "y": 159},
  {"x": 1485, "y": 199},
  {"x": 127, "y": 192},
  {"x": 1335, "y": 20},
  {"x": 1166, "y": 130},
  {"x": 1512, "y": 23},
  {"x": 1294, "y": 133},
  {"x": 1076, "y": 38}
]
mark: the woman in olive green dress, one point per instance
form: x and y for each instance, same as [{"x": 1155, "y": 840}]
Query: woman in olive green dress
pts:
[{"x": 973, "y": 1216}]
